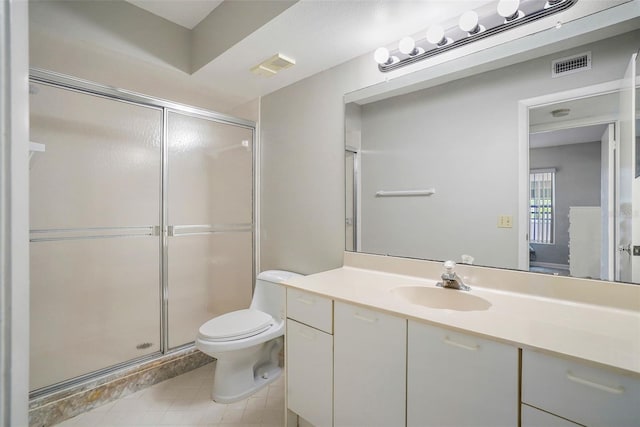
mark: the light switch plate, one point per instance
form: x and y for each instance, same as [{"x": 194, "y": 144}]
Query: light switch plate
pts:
[{"x": 505, "y": 221}]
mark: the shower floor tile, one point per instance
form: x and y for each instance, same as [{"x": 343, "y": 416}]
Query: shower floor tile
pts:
[{"x": 184, "y": 401}]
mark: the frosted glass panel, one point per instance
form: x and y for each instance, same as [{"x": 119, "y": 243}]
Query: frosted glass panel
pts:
[
  {"x": 210, "y": 172},
  {"x": 209, "y": 274},
  {"x": 93, "y": 302},
  {"x": 101, "y": 167}
]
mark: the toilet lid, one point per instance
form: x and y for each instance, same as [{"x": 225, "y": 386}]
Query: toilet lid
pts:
[{"x": 236, "y": 325}]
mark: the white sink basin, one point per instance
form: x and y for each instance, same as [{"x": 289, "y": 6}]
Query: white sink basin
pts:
[{"x": 435, "y": 297}]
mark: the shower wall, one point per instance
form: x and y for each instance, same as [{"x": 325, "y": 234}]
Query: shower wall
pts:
[{"x": 141, "y": 224}]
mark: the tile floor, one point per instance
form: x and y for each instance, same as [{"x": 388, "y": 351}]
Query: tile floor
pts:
[{"x": 185, "y": 401}]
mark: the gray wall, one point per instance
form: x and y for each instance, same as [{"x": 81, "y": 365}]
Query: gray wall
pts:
[
  {"x": 577, "y": 184},
  {"x": 444, "y": 137},
  {"x": 118, "y": 24},
  {"x": 302, "y": 176},
  {"x": 303, "y": 136},
  {"x": 69, "y": 38}
]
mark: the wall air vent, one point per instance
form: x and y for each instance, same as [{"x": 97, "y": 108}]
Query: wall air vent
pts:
[{"x": 571, "y": 64}]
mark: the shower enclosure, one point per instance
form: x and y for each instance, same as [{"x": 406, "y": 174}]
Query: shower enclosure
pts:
[{"x": 141, "y": 223}]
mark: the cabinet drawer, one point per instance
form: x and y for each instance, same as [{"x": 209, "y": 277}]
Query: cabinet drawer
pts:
[
  {"x": 310, "y": 309},
  {"x": 532, "y": 417},
  {"x": 310, "y": 373},
  {"x": 580, "y": 392}
]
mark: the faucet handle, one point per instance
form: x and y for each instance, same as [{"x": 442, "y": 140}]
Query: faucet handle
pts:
[
  {"x": 450, "y": 279},
  {"x": 448, "y": 273},
  {"x": 449, "y": 266}
]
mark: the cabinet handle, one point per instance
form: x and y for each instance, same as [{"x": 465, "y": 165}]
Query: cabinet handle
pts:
[
  {"x": 305, "y": 300},
  {"x": 602, "y": 387},
  {"x": 449, "y": 341},
  {"x": 364, "y": 318}
]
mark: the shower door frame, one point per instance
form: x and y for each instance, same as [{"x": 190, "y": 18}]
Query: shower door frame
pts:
[
  {"x": 63, "y": 81},
  {"x": 355, "y": 196}
]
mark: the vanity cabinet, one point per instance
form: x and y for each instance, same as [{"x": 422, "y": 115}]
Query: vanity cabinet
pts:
[
  {"x": 309, "y": 357},
  {"x": 369, "y": 367},
  {"x": 353, "y": 366},
  {"x": 456, "y": 379},
  {"x": 584, "y": 393}
]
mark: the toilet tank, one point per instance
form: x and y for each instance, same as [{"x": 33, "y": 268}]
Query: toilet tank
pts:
[{"x": 269, "y": 294}]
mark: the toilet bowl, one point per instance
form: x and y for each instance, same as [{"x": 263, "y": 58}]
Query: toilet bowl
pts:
[{"x": 247, "y": 343}]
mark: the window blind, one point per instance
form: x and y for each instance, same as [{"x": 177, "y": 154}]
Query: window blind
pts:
[{"x": 542, "y": 189}]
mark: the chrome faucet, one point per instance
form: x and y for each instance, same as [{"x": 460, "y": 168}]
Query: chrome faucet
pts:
[{"x": 450, "y": 278}]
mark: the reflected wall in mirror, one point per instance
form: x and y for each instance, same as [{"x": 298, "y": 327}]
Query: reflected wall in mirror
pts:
[{"x": 462, "y": 140}]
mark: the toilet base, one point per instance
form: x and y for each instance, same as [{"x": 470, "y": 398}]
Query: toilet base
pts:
[
  {"x": 239, "y": 374},
  {"x": 259, "y": 383}
]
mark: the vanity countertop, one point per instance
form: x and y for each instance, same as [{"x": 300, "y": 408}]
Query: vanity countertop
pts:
[{"x": 603, "y": 334}]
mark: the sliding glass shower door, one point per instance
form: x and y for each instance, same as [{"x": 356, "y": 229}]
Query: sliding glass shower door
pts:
[
  {"x": 210, "y": 216},
  {"x": 141, "y": 227},
  {"x": 95, "y": 258}
]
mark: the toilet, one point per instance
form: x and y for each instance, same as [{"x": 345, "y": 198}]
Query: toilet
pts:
[{"x": 247, "y": 343}]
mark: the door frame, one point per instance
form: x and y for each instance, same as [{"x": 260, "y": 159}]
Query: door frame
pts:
[
  {"x": 14, "y": 213},
  {"x": 355, "y": 196},
  {"x": 524, "y": 105}
]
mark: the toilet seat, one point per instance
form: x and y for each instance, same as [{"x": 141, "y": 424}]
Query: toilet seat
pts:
[{"x": 235, "y": 325}]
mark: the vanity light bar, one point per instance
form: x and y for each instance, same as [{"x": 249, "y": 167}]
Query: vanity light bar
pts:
[{"x": 525, "y": 11}]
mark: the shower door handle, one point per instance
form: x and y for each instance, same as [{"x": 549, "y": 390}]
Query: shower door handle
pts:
[{"x": 206, "y": 229}]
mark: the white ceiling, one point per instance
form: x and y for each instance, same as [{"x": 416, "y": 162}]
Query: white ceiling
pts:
[
  {"x": 575, "y": 128},
  {"x": 187, "y": 13},
  {"x": 580, "y": 109},
  {"x": 317, "y": 34},
  {"x": 577, "y": 135}
]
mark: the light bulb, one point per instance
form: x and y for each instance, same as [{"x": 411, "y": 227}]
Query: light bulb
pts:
[
  {"x": 508, "y": 9},
  {"x": 435, "y": 35},
  {"x": 381, "y": 55},
  {"x": 469, "y": 22},
  {"x": 407, "y": 46}
]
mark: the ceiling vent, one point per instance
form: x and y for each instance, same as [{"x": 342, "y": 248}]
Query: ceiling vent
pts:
[
  {"x": 571, "y": 64},
  {"x": 273, "y": 65}
]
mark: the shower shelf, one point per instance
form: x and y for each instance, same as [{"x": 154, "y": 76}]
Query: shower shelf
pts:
[{"x": 35, "y": 147}]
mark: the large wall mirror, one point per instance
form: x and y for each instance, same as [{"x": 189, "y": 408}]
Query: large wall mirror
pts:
[{"x": 511, "y": 168}]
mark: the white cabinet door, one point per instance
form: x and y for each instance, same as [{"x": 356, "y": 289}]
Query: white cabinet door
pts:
[
  {"x": 532, "y": 417},
  {"x": 370, "y": 368},
  {"x": 310, "y": 373},
  {"x": 459, "y": 380}
]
